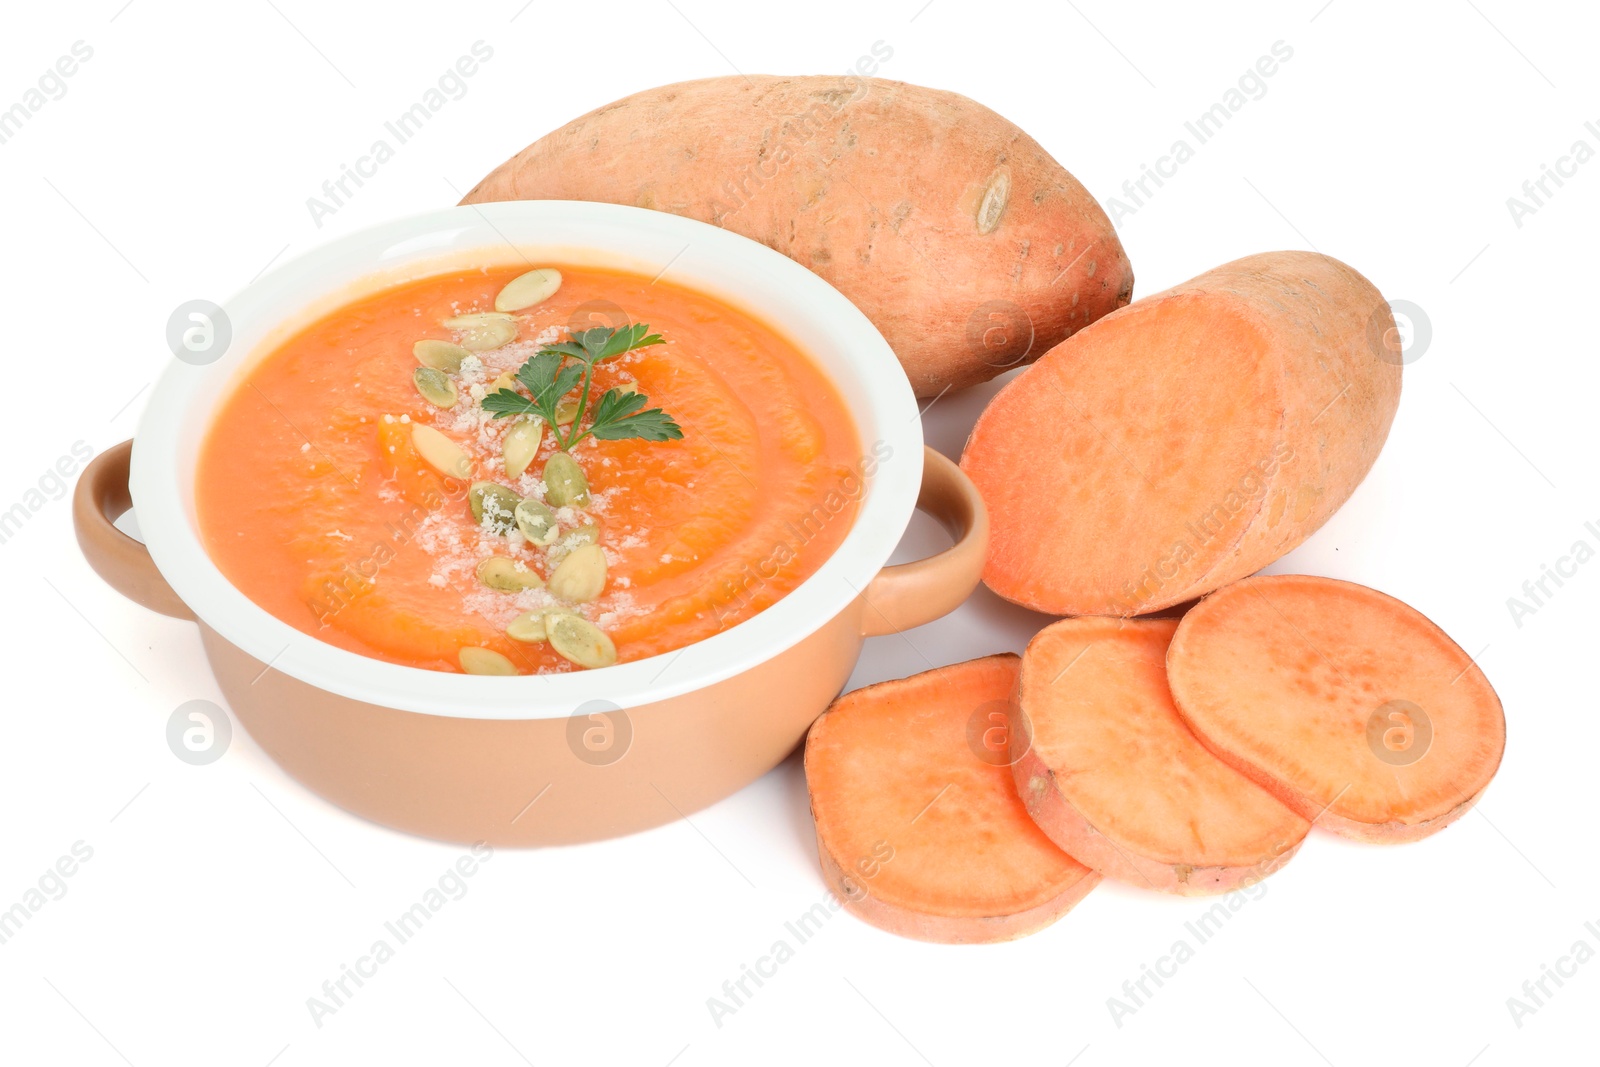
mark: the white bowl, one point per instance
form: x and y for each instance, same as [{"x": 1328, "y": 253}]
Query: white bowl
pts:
[{"x": 741, "y": 272}]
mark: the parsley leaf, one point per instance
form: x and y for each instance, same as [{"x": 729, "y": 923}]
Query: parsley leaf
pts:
[
  {"x": 651, "y": 425},
  {"x": 548, "y": 377},
  {"x": 549, "y": 393},
  {"x": 626, "y": 340},
  {"x": 504, "y": 402},
  {"x": 618, "y": 417}
]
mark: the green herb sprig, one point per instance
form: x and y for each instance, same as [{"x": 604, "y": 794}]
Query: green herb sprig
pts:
[{"x": 548, "y": 377}]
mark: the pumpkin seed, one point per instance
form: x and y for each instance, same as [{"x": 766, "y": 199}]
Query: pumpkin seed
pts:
[
  {"x": 581, "y": 576},
  {"x": 537, "y": 522},
  {"x": 586, "y": 534},
  {"x": 439, "y": 452},
  {"x": 530, "y": 626},
  {"x": 627, "y": 388},
  {"x": 566, "y": 410},
  {"x": 493, "y": 506},
  {"x": 474, "y": 319},
  {"x": 507, "y": 575},
  {"x": 580, "y": 641},
  {"x": 440, "y": 355},
  {"x": 521, "y": 444},
  {"x": 483, "y": 330},
  {"x": 526, "y": 290},
  {"x": 564, "y": 482},
  {"x": 475, "y": 660},
  {"x": 505, "y": 380},
  {"x": 435, "y": 386}
]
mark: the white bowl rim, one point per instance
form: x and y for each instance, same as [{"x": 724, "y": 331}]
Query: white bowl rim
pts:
[{"x": 881, "y": 401}]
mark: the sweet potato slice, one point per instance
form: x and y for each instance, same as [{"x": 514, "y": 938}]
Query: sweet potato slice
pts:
[
  {"x": 918, "y": 827},
  {"x": 1116, "y": 779},
  {"x": 1352, "y": 707},
  {"x": 1186, "y": 440}
]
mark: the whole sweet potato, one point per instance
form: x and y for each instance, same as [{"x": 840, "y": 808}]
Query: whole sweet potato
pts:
[{"x": 968, "y": 246}]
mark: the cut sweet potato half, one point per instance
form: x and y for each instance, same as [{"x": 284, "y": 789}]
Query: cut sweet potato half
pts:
[
  {"x": 919, "y": 829},
  {"x": 1116, "y": 779},
  {"x": 1350, "y": 706},
  {"x": 1186, "y": 440}
]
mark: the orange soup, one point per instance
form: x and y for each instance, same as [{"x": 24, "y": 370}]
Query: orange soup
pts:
[{"x": 441, "y": 505}]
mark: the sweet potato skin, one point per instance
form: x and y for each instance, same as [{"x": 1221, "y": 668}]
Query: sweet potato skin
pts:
[
  {"x": 930, "y": 873},
  {"x": 966, "y": 244},
  {"x": 1067, "y": 827},
  {"x": 1347, "y": 811},
  {"x": 1054, "y": 802},
  {"x": 1126, "y": 491},
  {"x": 947, "y": 929}
]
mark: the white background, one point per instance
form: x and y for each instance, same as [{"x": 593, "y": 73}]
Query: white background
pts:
[{"x": 218, "y": 898}]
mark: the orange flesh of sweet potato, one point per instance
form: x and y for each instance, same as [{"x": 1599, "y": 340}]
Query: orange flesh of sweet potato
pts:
[
  {"x": 966, "y": 244},
  {"x": 917, "y": 832},
  {"x": 1186, "y": 440},
  {"x": 1116, "y": 779},
  {"x": 1352, "y": 707}
]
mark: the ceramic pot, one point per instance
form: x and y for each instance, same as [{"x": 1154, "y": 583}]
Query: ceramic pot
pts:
[{"x": 540, "y": 759}]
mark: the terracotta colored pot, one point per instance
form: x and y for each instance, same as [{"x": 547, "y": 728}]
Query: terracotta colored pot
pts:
[{"x": 552, "y": 758}]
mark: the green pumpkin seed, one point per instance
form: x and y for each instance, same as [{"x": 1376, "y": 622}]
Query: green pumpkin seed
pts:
[
  {"x": 627, "y": 388},
  {"x": 507, "y": 575},
  {"x": 581, "y": 576},
  {"x": 483, "y": 330},
  {"x": 564, "y": 482},
  {"x": 475, "y": 660},
  {"x": 566, "y": 410},
  {"x": 521, "y": 444},
  {"x": 440, "y": 355},
  {"x": 529, "y": 627},
  {"x": 493, "y": 506},
  {"x": 526, "y": 290},
  {"x": 537, "y": 522},
  {"x": 435, "y": 386},
  {"x": 439, "y": 452},
  {"x": 580, "y": 641}
]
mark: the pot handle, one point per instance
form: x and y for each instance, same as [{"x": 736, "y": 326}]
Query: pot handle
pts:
[
  {"x": 911, "y": 594},
  {"x": 99, "y": 500}
]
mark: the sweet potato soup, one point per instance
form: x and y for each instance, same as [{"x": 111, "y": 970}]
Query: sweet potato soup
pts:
[{"x": 514, "y": 471}]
